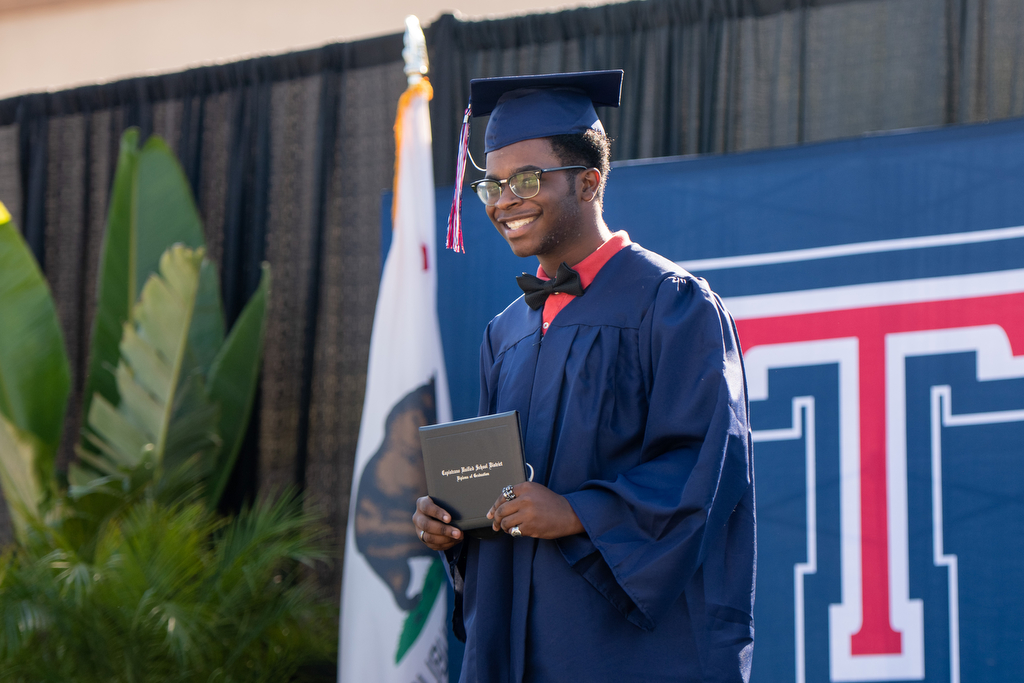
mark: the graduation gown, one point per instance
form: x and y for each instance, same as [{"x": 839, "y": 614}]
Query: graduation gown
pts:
[{"x": 633, "y": 406}]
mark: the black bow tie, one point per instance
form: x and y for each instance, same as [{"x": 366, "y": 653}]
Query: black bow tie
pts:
[{"x": 536, "y": 290}]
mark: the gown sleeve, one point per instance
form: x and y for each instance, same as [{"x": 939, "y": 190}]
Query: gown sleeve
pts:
[
  {"x": 455, "y": 557},
  {"x": 687, "y": 505}
]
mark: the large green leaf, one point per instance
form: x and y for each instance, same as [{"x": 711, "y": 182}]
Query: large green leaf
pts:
[
  {"x": 165, "y": 415},
  {"x": 207, "y": 334},
  {"x": 116, "y": 286},
  {"x": 34, "y": 374},
  {"x": 232, "y": 383},
  {"x": 165, "y": 211},
  {"x": 19, "y": 478},
  {"x": 151, "y": 208}
]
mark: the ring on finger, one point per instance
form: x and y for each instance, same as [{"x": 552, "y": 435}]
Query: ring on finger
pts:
[
  {"x": 514, "y": 532},
  {"x": 508, "y": 493},
  {"x": 421, "y": 533}
]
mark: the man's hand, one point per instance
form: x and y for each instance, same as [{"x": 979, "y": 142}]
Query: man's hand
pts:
[
  {"x": 537, "y": 511},
  {"x": 431, "y": 525}
]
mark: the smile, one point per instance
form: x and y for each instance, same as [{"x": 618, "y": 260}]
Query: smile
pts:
[{"x": 519, "y": 223}]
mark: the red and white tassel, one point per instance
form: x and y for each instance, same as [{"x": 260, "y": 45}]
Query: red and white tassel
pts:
[{"x": 454, "y": 241}]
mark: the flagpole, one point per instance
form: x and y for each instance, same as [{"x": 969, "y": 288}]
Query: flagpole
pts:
[
  {"x": 417, "y": 64},
  {"x": 394, "y": 602}
]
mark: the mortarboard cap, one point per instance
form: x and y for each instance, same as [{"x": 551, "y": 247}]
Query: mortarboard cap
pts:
[{"x": 528, "y": 107}]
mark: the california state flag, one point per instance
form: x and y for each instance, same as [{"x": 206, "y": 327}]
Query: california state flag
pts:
[{"x": 394, "y": 592}]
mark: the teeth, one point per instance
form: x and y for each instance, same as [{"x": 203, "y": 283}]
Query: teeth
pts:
[{"x": 515, "y": 225}]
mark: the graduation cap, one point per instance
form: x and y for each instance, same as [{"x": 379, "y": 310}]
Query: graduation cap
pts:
[{"x": 528, "y": 107}]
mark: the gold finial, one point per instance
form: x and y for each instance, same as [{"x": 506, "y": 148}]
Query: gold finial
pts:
[{"x": 415, "y": 52}]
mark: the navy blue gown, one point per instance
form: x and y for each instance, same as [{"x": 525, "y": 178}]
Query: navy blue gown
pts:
[{"x": 633, "y": 407}]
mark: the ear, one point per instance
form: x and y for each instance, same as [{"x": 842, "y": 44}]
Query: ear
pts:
[{"x": 590, "y": 182}]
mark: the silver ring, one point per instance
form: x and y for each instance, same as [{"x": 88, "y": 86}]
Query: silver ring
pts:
[
  {"x": 507, "y": 492},
  {"x": 514, "y": 532},
  {"x": 421, "y": 533}
]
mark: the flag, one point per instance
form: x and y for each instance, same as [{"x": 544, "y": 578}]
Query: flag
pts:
[{"x": 394, "y": 591}]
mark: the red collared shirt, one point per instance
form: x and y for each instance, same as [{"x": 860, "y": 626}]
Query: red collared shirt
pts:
[{"x": 588, "y": 269}]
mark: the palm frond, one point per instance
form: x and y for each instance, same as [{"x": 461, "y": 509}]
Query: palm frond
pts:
[{"x": 164, "y": 413}]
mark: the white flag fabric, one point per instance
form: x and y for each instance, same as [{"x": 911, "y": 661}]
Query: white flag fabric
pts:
[{"x": 394, "y": 591}]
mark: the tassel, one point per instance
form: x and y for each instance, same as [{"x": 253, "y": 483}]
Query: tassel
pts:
[{"x": 454, "y": 241}]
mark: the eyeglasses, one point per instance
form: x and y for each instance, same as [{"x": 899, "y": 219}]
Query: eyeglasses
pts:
[{"x": 525, "y": 184}]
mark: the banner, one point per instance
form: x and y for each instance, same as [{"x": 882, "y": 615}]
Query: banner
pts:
[
  {"x": 394, "y": 593},
  {"x": 878, "y": 287}
]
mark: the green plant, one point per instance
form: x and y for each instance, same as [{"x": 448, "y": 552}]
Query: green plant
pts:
[
  {"x": 174, "y": 594},
  {"x": 34, "y": 379},
  {"x": 127, "y": 572},
  {"x": 168, "y": 394},
  {"x": 171, "y": 346}
]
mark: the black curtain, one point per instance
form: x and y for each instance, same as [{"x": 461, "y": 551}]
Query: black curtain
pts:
[
  {"x": 727, "y": 76},
  {"x": 288, "y": 157}
]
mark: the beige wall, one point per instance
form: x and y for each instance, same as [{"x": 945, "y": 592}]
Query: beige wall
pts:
[{"x": 56, "y": 44}]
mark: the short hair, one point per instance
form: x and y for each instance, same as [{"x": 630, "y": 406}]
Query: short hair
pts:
[{"x": 589, "y": 148}]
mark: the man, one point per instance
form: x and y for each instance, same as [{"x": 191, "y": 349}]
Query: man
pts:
[{"x": 630, "y": 557}]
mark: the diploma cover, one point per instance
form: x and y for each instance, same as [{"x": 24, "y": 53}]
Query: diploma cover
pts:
[{"x": 469, "y": 462}]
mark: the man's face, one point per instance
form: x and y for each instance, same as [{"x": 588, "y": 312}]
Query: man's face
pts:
[{"x": 545, "y": 225}]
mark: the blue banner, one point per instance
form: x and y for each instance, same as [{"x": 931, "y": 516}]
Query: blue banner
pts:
[{"x": 878, "y": 285}]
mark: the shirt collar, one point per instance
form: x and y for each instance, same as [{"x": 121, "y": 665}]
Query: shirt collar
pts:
[{"x": 589, "y": 267}]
